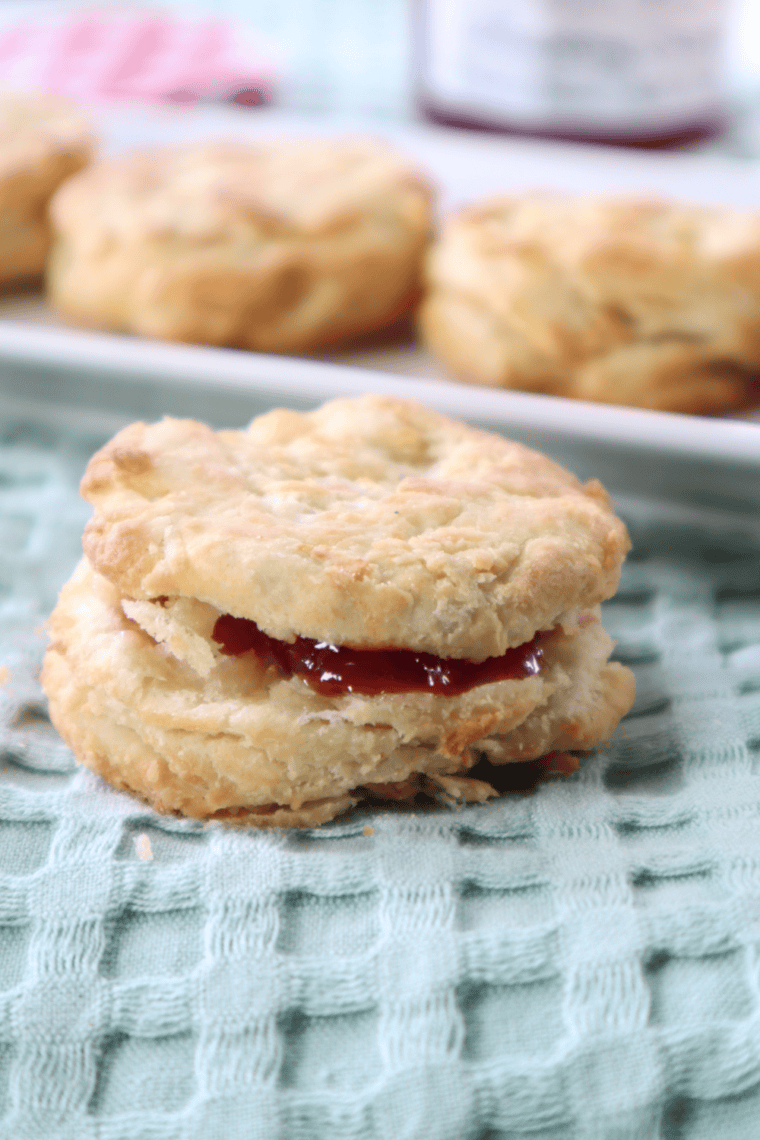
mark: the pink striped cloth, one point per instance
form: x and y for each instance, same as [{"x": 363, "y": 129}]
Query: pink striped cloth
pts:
[{"x": 138, "y": 56}]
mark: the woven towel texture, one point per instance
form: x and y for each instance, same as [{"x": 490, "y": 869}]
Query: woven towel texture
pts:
[{"x": 580, "y": 961}]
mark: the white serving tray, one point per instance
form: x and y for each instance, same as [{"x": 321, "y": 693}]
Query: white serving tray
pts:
[
  {"x": 720, "y": 457},
  {"x": 698, "y": 461}
]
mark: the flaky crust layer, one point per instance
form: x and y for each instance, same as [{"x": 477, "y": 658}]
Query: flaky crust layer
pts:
[
  {"x": 276, "y": 247},
  {"x": 622, "y": 301},
  {"x": 370, "y": 522},
  {"x": 247, "y": 745},
  {"x": 43, "y": 141}
]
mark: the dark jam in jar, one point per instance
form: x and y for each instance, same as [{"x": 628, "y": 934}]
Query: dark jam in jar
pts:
[
  {"x": 616, "y": 72},
  {"x": 334, "y": 670}
]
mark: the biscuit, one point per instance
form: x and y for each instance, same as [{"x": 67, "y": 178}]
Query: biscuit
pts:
[
  {"x": 381, "y": 532},
  {"x": 274, "y": 247},
  {"x": 43, "y": 141},
  {"x": 645, "y": 303}
]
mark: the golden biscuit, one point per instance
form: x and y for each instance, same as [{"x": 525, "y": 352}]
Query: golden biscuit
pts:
[
  {"x": 645, "y": 303},
  {"x": 270, "y": 623},
  {"x": 277, "y": 248},
  {"x": 43, "y": 141}
]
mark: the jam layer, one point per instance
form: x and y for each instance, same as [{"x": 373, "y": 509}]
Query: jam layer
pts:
[{"x": 338, "y": 669}]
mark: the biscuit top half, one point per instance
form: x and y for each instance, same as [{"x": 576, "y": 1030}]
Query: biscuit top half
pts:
[
  {"x": 35, "y": 129},
  {"x": 371, "y": 522},
  {"x": 234, "y": 191}
]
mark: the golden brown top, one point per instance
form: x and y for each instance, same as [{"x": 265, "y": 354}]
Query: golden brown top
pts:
[
  {"x": 265, "y": 190},
  {"x": 35, "y": 131}
]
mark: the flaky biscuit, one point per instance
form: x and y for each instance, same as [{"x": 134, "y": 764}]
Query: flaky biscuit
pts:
[
  {"x": 369, "y": 522},
  {"x": 43, "y": 141},
  {"x": 645, "y": 303},
  {"x": 372, "y": 523},
  {"x": 274, "y": 247}
]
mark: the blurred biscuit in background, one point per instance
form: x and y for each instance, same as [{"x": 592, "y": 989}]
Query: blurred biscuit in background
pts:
[
  {"x": 646, "y": 303},
  {"x": 44, "y": 139},
  {"x": 277, "y": 247}
]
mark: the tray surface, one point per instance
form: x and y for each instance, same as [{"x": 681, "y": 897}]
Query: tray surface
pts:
[
  {"x": 575, "y": 961},
  {"x": 464, "y": 167}
]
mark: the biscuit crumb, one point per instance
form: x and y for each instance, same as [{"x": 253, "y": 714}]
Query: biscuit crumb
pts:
[
  {"x": 143, "y": 847},
  {"x": 5, "y": 674},
  {"x": 367, "y": 830},
  {"x": 559, "y": 763}
]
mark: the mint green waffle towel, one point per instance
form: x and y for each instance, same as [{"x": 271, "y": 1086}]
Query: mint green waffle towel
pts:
[{"x": 577, "y": 962}]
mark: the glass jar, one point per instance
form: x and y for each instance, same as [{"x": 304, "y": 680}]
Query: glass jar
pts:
[{"x": 643, "y": 73}]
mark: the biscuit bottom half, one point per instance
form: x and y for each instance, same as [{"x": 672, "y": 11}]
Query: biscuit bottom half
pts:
[{"x": 139, "y": 702}]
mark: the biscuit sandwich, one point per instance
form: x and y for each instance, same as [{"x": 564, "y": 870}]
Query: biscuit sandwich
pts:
[
  {"x": 43, "y": 141},
  {"x": 277, "y": 247},
  {"x": 653, "y": 304},
  {"x": 269, "y": 625}
]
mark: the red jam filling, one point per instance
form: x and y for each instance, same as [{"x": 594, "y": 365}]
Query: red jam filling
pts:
[{"x": 337, "y": 669}]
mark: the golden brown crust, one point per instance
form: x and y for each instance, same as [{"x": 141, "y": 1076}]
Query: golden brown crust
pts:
[
  {"x": 43, "y": 141},
  {"x": 370, "y": 522},
  {"x": 274, "y": 247},
  {"x": 247, "y": 746},
  {"x": 623, "y": 301}
]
